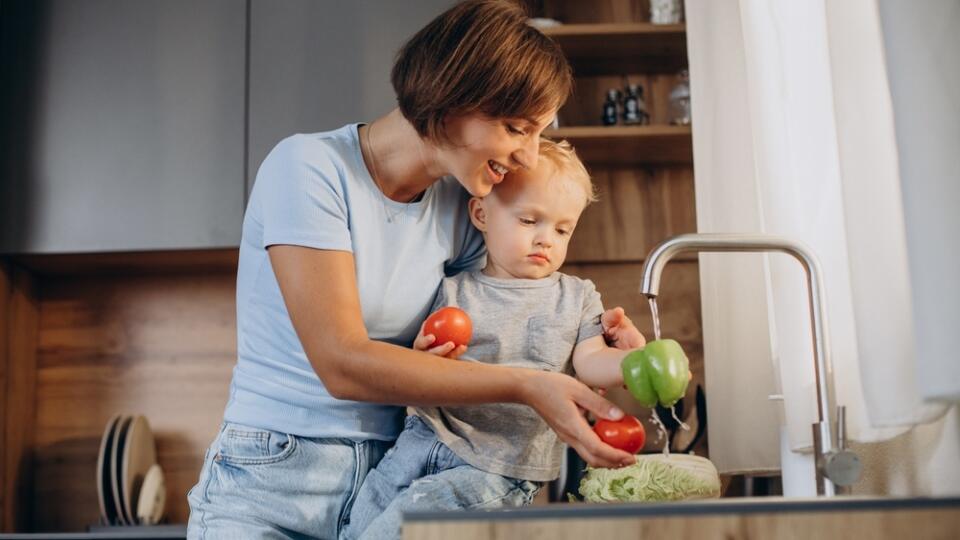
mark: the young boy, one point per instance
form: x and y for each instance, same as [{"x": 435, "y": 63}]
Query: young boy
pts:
[{"x": 525, "y": 314}]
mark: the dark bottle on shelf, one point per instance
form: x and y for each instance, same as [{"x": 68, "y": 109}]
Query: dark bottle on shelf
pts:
[
  {"x": 634, "y": 109},
  {"x": 610, "y": 112}
]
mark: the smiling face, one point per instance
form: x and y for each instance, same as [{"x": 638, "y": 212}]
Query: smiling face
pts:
[
  {"x": 527, "y": 222},
  {"x": 483, "y": 150}
]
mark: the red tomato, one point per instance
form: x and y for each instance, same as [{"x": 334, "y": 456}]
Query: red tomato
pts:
[
  {"x": 449, "y": 324},
  {"x": 627, "y": 434}
]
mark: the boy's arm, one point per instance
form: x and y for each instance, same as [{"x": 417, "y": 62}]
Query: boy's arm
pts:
[{"x": 598, "y": 365}]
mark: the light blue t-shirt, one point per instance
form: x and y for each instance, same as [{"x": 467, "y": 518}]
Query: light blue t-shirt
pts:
[{"x": 315, "y": 191}]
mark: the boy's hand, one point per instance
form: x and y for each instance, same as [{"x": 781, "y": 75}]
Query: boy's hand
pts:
[
  {"x": 619, "y": 330},
  {"x": 447, "y": 350}
]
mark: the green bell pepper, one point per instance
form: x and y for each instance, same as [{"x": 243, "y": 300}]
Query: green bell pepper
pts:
[{"x": 659, "y": 372}]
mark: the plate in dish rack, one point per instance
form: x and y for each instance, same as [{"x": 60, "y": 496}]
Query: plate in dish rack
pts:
[
  {"x": 116, "y": 462},
  {"x": 108, "y": 506},
  {"x": 139, "y": 454}
]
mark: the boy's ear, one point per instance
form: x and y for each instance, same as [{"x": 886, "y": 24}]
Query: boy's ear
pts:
[{"x": 477, "y": 215}]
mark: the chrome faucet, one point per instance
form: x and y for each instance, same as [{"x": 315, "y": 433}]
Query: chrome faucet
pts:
[{"x": 836, "y": 467}]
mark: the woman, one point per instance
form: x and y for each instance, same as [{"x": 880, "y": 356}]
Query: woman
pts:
[{"x": 345, "y": 239}]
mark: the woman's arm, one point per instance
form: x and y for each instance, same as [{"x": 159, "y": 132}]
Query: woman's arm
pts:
[{"x": 320, "y": 291}]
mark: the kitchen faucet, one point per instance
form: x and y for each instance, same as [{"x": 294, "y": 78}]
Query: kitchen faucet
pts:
[{"x": 836, "y": 467}]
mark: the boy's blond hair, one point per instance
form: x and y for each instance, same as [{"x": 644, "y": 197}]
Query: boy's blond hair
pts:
[{"x": 566, "y": 164}]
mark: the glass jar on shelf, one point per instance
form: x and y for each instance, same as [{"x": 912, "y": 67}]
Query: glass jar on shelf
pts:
[
  {"x": 666, "y": 11},
  {"x": 680, "y": 100}
]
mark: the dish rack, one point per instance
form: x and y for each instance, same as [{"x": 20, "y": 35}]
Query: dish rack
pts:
[{"x": 130, "y": 486}]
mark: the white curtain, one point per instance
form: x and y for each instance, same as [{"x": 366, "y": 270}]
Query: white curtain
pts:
[{"x": 794, "y": 135}]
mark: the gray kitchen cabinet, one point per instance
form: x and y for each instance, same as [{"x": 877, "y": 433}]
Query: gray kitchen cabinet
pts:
[
  {"x": 124, "y": 125},
  {"x": 137, "y": 125},
  {"x": 315, "y": 66}
]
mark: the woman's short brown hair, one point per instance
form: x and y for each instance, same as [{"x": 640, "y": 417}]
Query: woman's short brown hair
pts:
[{"x": 479, "y": 56}]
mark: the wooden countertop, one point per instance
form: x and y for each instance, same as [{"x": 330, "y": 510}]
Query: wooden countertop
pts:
[
  {"x": 155, "y": 532},
  {"x": 842, "y": 518},
  {"x": 739, "y": 505}
]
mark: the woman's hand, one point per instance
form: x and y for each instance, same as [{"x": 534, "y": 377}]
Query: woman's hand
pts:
[
  {"x": 619, "y": 330},
  {"x": 561, "y": 400},
  {"x": 448, "y": 349}
]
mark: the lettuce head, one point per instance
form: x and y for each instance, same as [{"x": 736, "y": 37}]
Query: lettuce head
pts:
[{"x": 653, "y": 478}]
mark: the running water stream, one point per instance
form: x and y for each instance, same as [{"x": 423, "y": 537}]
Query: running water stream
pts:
[
  {"x": 656, "y": 316},
  {"x": 654, "y": 417}
]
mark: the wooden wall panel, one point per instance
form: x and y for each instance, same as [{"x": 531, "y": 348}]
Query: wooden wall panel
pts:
[
  {"x": 637, "y": 209},
  {"x": 18, "y": 316},
  {"x": 162, "y": 346},
  {"x": 5, "y": 292}
]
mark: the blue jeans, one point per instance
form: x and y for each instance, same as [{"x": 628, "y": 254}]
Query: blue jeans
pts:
[
  {"x": 421, "y": 473},
  {"x": 257, "y": 483}
]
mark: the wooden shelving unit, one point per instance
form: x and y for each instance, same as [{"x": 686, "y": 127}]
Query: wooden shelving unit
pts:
[
  {"x": 643, "y": 173},
  {"x": 614, "y": 48},
  {"x": 630, "y": 145}
]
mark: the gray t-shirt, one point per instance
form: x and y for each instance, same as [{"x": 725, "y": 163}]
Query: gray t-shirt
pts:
[{"x": 527, "y": 323}]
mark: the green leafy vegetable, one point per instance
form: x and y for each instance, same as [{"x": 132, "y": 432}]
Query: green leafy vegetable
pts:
[{"x": 653, "y": 478}]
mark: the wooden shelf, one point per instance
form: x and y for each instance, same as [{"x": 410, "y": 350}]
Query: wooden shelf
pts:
[
  {"x": 629, "y": 145},
  {"x": 620, "y": 48},
  {"x": 129, "y": 263}
]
